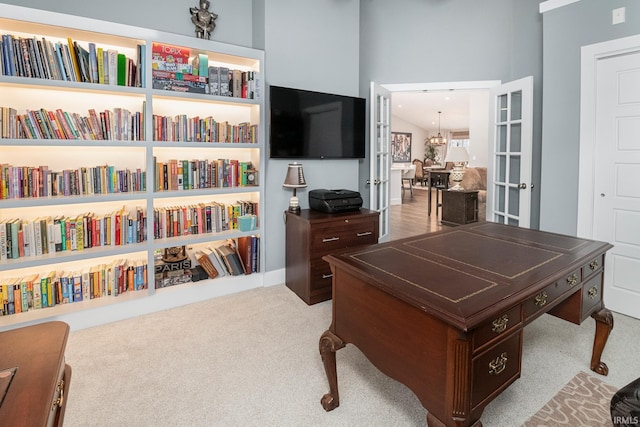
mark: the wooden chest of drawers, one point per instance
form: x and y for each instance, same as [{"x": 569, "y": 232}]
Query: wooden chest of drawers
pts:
[
  {"x": 313, "y": 234},
  {"x": 36, "y": 393}
]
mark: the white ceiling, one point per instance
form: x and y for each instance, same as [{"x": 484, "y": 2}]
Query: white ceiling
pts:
[{"x": 421, "y": 108}]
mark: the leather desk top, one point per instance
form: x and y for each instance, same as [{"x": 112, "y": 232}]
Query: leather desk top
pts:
[{"x": 466, "y": 274}]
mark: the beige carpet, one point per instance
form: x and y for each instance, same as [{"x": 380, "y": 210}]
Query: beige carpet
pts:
[
  {"x": 251, "y": 359},
  {"x": 584, "y": 401}
]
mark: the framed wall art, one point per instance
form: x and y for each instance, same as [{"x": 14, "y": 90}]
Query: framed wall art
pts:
[{"x": 401, "y": 147}]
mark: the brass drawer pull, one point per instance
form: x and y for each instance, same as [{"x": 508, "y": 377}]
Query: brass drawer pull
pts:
[
  {"x": 593, "y": 264},
  {"x": 500, "y": 324},
  {"x": 60, "y": 400},
  {"x": 330, "y": 239},
  {"x": 366, "y": 233},
  {"x": 541, "y": 299},
  {"x": 572, "y": 280},
  {"x": 593, "y": 292},
  {"x": 497, "y": 365},
  {"x": 327, "y": 276}
]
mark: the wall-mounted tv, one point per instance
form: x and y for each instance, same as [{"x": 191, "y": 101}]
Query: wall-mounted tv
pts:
[{"x": 315, "y": 125}]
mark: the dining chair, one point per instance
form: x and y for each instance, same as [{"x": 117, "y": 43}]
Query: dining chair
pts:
[{"x": 409, "y": 176}]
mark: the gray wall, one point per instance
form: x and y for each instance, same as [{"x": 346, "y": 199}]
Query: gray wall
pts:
[
  {"x": 410, "y": 41},
  {"x": 309, "y": 45},
  {"x": 566, "y": 30}
]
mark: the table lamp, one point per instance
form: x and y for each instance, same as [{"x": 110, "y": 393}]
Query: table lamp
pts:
[
  {"x": 458, "y": 156},
  {"x": 295, "y": 180}
]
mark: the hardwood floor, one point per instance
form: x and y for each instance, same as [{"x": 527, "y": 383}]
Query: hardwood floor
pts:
[{"x": 410, "y": 218}]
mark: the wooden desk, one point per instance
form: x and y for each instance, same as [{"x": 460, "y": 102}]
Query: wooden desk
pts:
[
  {"x": 443, "y": 313},
  {"x": 36, "y": 394}
]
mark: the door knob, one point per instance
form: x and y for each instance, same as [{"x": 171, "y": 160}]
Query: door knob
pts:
[{"x": 522, "y": 186}]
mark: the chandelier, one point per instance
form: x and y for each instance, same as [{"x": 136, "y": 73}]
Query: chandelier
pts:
[{"x": 438, "y": 140}]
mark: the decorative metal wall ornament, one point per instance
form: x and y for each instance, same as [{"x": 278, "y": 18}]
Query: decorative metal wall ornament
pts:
[{"x": 203, "y": 19}]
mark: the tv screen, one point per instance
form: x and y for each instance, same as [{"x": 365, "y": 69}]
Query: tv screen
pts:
[{"x": 314, "y": 125}]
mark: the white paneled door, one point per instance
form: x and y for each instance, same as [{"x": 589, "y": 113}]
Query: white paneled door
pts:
[
  {"x": 510, "y": 139},
  {"x": 379, "y": 153},
  {"x": 616, "y": 215}
]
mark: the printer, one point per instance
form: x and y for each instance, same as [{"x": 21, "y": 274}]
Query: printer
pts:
[{"x": 334, "y": 201}]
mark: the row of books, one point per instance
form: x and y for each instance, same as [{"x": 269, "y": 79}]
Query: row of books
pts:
[
  {"x": 181, "y": 128},
  {"x": 21, "y": 238},
  {"x": 18, "y": 182},
  {"x": 219, "y": 81},
  {"x": 70, "y": 61},
  {"x": 175, "y": 69},
  {"x": 38, "y": 291},
  {"x": 118, "y": 124},
  {"x": 234, "y": 257},
  {"x": 235, "y": 83},
  {"x": 201, "y": 218},
  {"x": 175, "y": 175}
]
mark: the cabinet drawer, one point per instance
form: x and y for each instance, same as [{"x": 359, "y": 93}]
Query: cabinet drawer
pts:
[
  {"x": 320, "y": 279},
  {"x": 320, "y": 271},
  {"x": 496, "y": 368},
  {"x": 349, "y": 233},
  {"x": 498, "y": 327},
  {"x": 592, "y": 266}
]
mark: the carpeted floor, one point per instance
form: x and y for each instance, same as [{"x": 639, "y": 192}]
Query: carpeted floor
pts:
[
  {"x": 251, "y": 359},
  {"x": 584, "y": 401}
]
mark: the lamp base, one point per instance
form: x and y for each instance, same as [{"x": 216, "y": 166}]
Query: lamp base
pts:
[
  {"x": 456, "y": 175},
  {"x": 294, "y": 205}
]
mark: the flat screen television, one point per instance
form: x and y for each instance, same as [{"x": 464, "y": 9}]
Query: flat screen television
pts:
[{"x": 315, "y": 125}]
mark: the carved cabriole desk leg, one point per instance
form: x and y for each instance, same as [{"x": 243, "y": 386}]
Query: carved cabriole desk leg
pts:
[
  {"x": 329, "y": 344},
  {"x": 604, "y": 325}
]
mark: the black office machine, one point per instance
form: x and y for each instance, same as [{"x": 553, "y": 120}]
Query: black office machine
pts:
[{"x": 333, "y": 201}]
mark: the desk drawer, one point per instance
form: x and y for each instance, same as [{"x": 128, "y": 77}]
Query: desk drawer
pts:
[
  {"x": 542, "y": 300},
  {"x": 495, "y": 369},
  {"x": 350, "y": 232},
  {"x": 592, "y": 266},
  {"x": 59, "y": 403},
  {"x": 496, "y": 328},
  {"x": 591, "y": 295}
]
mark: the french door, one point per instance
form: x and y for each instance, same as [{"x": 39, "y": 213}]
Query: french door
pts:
[
  {"x": 380, "y": 156},
  {"x": 510, "y": 138}
]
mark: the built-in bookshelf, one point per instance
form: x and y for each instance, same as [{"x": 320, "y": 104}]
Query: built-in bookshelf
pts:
[{"x": 114, "y": 151}]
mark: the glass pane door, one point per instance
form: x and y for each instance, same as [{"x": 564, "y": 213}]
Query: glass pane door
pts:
[{"x": 510, "y": 171}]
